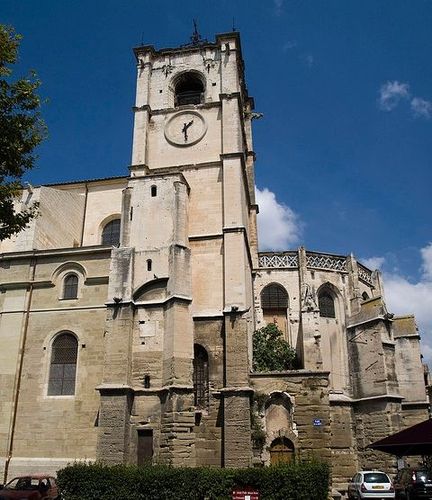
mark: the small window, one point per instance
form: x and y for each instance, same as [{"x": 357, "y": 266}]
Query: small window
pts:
[
  {"x": 326, "y": 305},
  {"x": 63, "y": 365},
  {"x": 189, "y": 89},
  {"x": 365, "y": 296},
  {"x": 70, "y": 286},
  {"x": 200, "y": 377},
  {"x": 153, "y": 191},
  {"x": 149, "y": 264},
  {"x": 111, "y": 233}
]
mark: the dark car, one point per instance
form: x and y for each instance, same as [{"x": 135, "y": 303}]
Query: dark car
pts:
[
  {"x": 31, "y": 487},
  {"x": 411, "y": 484}
]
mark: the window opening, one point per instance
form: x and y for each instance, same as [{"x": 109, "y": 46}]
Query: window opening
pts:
[
  {"x": 147, "y": 382},
  {"x": 365, "y": 296},
  {"x": 326, "y": 305},
  {"x": 70, "y": 286},
  {"x": 63, "y": 365},
  {"x": 189, "y": 89},
  {"x": 153, "y": 191},
  {"x": 201, "y": 377},
  {"x": 149, "y": 264},
  {"x": 111, "y": 233}
]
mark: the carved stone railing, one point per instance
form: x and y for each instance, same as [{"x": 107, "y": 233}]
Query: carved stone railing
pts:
[
  {"x": 314, "y": 260},
  {"x": 326, "y": 261},
  {"x": 364, "y": 274},
  {"x": 283, "y": 259}
]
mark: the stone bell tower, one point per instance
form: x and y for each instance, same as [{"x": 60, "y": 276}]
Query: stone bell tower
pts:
[{"x": 180, "y": 316}]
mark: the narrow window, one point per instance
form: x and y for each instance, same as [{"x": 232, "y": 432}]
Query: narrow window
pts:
[
  {"x": 326, "y": 305},
  {"x": 201, "y": 377},
  {"x": 153, "y": 191},
  {"x": 365, "y": 296},
  {"x": 145, "y": 446},
  {"x": 146, "y": 381},
  {"x": 111, "y": 233},
  {"x": 189, "y": 89},
  {"x": 149, "y": 264},
  {"x": 70, "y": 286},
  {"x": 63, "y": 365}
]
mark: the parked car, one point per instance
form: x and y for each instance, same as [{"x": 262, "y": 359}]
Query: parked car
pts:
[
  {"x": 413, "y": 483},
  {"x": 31, "y": 487},
  {"x": 370, "y": 484}
]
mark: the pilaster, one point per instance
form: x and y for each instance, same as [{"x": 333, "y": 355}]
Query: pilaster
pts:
[{"x": 309, "y": 318}]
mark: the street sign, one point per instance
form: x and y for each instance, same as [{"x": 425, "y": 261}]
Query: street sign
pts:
[
  {"x": 245, "y": 494},
  {"x": 317, "y": 422}
]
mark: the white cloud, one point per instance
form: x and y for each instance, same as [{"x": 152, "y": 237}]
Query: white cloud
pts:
[
  {"x": 421, "y": 108},
  {"x": 405, "y": 297},
  {"x": 373, "y": 262},
  {"x": 391, "y": 94},
  {"x": 279, "y": 227},
  {"x": 426, "y": 254}
]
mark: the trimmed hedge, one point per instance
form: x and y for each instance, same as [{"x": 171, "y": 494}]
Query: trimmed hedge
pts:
[{"x": 299, "y": 481}]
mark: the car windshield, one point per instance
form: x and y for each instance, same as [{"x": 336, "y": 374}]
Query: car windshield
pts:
[
  {"x": 422, "y": 475},
  {"x": 23, "y": 483},
  {"x": 376, "y": 477}
]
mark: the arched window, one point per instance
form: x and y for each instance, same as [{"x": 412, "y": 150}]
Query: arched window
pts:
[
  {"x": 281, "y": 451},
  {"x": 153, "y": 191},
  {"x": 201, "y": 377},
  {"x": 189, "y": 89},
  {"x": 274, "y": 297},
  {"x": 326, "y": 305},
  {"x": 111, "y": 233},
  {"x": 274, "y": 303},
  {"x": 70, "y": 286},
  {"x": 62, "y": 373}
]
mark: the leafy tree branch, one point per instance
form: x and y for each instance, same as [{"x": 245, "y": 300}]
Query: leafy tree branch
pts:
[{"x": 21, "y": 131}]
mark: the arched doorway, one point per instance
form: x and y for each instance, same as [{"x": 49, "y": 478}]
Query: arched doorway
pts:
[{"x": 281, "y": 451}]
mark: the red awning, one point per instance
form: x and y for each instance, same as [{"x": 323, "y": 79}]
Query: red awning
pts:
[{"x": 415, "y": 440}]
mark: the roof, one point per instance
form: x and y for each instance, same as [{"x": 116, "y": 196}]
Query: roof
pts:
[{"x": 415, "y": 440}]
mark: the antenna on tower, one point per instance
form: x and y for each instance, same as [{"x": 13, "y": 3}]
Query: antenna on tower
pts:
[{"x": 233, "y": 25}]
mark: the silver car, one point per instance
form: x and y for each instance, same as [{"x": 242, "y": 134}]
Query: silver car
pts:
[{"x": 370, "y": 484}]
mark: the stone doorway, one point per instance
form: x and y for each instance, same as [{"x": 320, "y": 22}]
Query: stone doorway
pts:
[{"x": 281, "y": 451}]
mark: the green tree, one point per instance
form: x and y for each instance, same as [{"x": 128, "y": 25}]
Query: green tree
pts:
[
  {"x": 21, "y": 130},
  {"x": 271, "y": 352}
]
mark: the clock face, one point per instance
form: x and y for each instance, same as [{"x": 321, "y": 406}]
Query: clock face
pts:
[{"x": 185, "y": 128}]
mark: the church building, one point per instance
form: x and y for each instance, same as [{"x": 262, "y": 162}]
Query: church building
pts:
[{"x": 127, "y": 307}]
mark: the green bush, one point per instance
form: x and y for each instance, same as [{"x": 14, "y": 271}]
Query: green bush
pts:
[
  {"x": 271, "y": 352},
  {"x": 299, "y": 481}
]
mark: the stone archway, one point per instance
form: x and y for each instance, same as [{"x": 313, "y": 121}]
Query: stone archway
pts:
[{"x": 282, "y": 451}]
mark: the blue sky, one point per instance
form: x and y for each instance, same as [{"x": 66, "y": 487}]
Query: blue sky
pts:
[{"x": 344, "y": 149}]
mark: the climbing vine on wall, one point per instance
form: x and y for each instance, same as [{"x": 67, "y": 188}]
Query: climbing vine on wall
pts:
[{"x": 271, "y": 352}]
